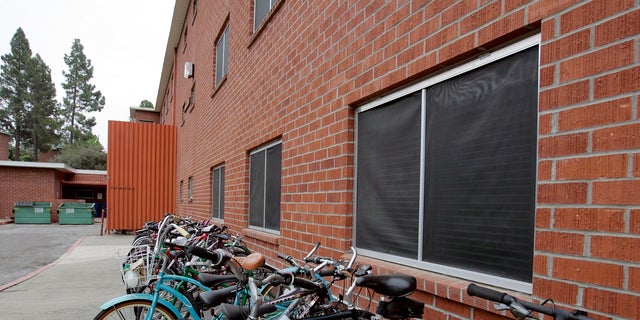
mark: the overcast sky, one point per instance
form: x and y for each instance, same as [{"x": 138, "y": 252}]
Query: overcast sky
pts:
[{"x": 125, "y": 40}]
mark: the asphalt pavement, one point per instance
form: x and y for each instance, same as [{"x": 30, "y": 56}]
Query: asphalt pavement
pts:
[{"x": 72, "y": 271}]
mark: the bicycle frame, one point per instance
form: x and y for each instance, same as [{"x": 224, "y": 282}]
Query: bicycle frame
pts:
[{"x": 155, "y": 299}]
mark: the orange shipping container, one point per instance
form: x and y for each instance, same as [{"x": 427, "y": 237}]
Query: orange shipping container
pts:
[{"x": 141, "y": 170}]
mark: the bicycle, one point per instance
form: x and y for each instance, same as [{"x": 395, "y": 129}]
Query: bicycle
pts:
[
  {"x": 309, "y": 300},
  {"x": 167, "y": 301},
  {"x": 523, "y": 310}
]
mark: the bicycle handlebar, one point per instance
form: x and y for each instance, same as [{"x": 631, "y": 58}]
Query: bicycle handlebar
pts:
[
  {"x": 217, "y": 256},
  {"x": 288, "y": 259},
  {"x": 514, "y": 303},
  {"x": 181, "y": 230}
]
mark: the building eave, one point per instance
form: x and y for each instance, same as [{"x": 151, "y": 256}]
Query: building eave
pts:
[
  {"x": 177, "y": 24},
  {"x": 48, "y": 165}
]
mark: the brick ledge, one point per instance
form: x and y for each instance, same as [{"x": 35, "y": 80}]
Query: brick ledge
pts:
[
  {"x": 440, "y": 285},
  {"x": 262, "y": 236}
]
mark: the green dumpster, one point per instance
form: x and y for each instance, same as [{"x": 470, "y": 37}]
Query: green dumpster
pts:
[
  {"x": 32, "y": 212},
  {"x": 76, "y": 213}
]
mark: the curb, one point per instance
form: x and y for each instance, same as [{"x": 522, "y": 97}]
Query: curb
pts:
[{"x": 41, "y": 269}]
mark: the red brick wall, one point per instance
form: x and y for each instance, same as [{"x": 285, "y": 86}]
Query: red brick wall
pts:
[
  {"x": 47, "y": 156},
  {"x": 586, "y": 248},
  {"x": 299, "y": 77},
  {"x": 4, "y": 146},
  {"x": 146, "y": 116},
  {"x": 26, "y": 184},
  {"x": 96, "y": 179}
]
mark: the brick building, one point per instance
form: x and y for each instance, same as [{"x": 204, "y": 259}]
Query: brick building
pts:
[
  {"x": 458, "y": 141},
  {"x": 49, "y": 182}
]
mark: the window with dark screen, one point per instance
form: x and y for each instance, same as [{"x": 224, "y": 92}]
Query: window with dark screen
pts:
[{"x": 446, "y": 171}]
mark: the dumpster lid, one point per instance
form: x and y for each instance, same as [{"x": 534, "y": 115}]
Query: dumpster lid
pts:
[
  {"x": 33, "y": 204},
  {"x": 77, "y": 205}
]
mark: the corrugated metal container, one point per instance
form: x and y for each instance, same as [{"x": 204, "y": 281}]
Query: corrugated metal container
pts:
[{"x": 141, "y": 170}]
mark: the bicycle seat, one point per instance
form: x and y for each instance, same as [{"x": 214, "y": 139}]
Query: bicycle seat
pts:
[
  {"x": 215, "y": 297},
  {"x": 395, "y": 285},
  {"x": 213, "y": 280},
  {"x": 251, "y": 262}
]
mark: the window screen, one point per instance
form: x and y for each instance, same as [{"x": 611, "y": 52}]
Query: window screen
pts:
[
  {"x": 222, "y": 55},
  {"x": 264, "y": 187},
  {"x": 480, "y": 168},
  {"x": 261, "y": 8},
  {"x": 217, "y": 197},
  {"x": 388, "y": 181},
  {"x": 256, "y": 189}
]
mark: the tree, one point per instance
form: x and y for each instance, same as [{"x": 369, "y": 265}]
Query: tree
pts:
[
  {"x": 14, "y": 90},
  {"x": 81, "y": 96},
  {"x": 146, "y": 104},
  {"x": 42, "y": 118},
  {"x": 88, "y": 155}
]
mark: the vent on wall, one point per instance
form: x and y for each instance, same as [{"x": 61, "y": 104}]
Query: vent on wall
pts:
[{"x": 188, "y": 70}]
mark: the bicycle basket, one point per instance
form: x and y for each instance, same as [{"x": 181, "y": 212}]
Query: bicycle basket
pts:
[{"x": 136, "y": 266}]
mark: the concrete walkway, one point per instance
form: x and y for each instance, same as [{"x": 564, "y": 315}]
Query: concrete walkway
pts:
[{"x": 72, "y": 287}]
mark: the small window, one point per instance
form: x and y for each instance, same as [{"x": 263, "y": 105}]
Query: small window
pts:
[
  {"x": 195, "y": 11},
  {"x": 217, "y": 190},
  {"x": 190, "y": 103},
  {"x": 190, "y": 188},
  {"x": 264, "y": 187},
  {"x": 222, "y": 55},
  {"x": 181, "y": 190},
  {"x": 186, "y": 32},
  {"x": 261, "y": 10}
]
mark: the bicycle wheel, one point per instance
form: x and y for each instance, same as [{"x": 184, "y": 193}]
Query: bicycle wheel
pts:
[
  {"x": 142, "y": 240},
  {"x": 135, "y": 310}
]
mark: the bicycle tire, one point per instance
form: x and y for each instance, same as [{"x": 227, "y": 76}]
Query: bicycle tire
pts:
[
  {"x": 142, "y": 240},
  {"x": 134, "y": 310}
]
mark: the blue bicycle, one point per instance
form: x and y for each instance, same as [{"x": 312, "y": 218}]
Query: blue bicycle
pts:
[{"x": 167, "y": 300}]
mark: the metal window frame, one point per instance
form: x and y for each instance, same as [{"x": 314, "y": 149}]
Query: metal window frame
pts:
[
  {"x": 264, "y": 149},
  {"x": 220, "y": 190}
]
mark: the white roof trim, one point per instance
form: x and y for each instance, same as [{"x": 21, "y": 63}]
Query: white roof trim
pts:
[{"x": 48, "y": 165}]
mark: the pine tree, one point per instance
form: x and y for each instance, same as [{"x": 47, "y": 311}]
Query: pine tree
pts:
[
  {"x": 146, "y": 104},
  {"x": 42, "y": 117},
  {"x": 81, "y": 96},
  {"x": 14, "y": 90}
]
